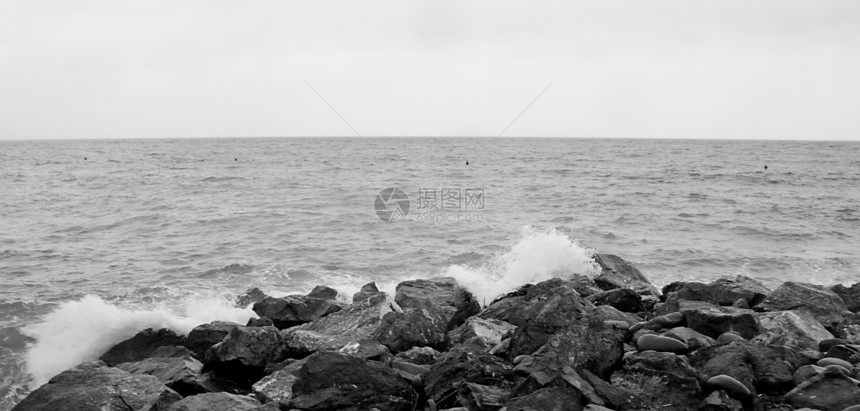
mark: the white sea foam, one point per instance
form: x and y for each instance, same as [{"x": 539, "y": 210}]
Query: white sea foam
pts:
[
  {"x": 538, "y": 255},
  {"x": 82, "y": 330}
]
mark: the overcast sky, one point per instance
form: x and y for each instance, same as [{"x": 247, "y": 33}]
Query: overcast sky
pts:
[{"x": 681, "y": 69}]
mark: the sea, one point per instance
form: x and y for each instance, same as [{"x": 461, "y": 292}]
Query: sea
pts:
[{"x": 100, "y": 239}]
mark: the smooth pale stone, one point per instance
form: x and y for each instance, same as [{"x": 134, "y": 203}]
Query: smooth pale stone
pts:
[
  {"x": 729, "y": 384},
  {"x": 835, "y": 361},
  {"x": 838, "y": 368},
  {"x": 659, "y": 343},
  {"x": 853, "y": 408},
  {"x": 728, "y": 337}
]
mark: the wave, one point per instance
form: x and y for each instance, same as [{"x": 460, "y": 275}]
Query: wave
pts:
[
  {"x": 538, "y": 255},
  {"x": 221, "y": 179},
  {"x": 82, "y": 330}
]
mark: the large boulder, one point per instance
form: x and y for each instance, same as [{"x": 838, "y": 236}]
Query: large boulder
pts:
[
  {"x": 587, "y": 345},
  {"x": 277, "y": 387},
  {"x": 795, "y": 328},
  {"x": 330, "y": 380},
  {"x": 455, "y": 302},
  {"x": 324, "y": 292},
  {"x": 659, "y": 378},
  {"x": 723, "y": 291},
  {"x": 294, "y": 310},
  {"x": 95, "y": 386},
  {"x": 623, "y": 299},
  {"x": 219, "y": 401},
  {"x": 206, "y": 335},
  {"x": 368, "y": 290},
  {"x": 830, "y": 390},
  {"x": 617, "y": 273},
  {"x": 713, "y": 320},
  {"x": 767, "y": 368},
  {"x": 244, "y": 354},
  {"x": 422, "y": 324},
  {"x": 459, "y": 365},
  {"x": 141, "y": 346},
  {"x": 490, "y": 331},
  {"x": 850, "y": 296},
  {"x": 175, "y": 367},
  {"x": 825, "y": 305}
]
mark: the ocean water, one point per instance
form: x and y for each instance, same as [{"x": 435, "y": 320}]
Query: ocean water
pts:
[{"x": 100, "y": 238}]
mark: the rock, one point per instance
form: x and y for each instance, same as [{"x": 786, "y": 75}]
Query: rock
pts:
[
  {"x": 560, "y": 398},
  {"x": 482, "y": 397},
  {"x": 491, "y": 331},
  {"x": 660, "y": 343},
  {"x": 850, "y": 296},
  {"x": 330, "y": 380},
  {"x": 658, "y": 378},
  {"x": 260, "y": 322},
  {"x": 294, "y": 310},
  {"x": 324, "y": 293},
  {"x": 728, "y": 384},
  {"x": 691, "y": 337},
  {"x": 583, "y": 284},
  {"x": 769, "y": 368},
  {"x": 251, "y": 296},
  {"x": 141, "y": 346},
  {"x": 535, "y": 372},
  {"x": 791, "y": 328},
  {"x": 848, "y": 329},
  {"x": 609, "y": 313},
  {"x": 617, "y": 273},
  {"x": 827, "y": 391},
  {"x": 824, "y": 362},
  {"x": 180, "y": 373},
  {"x": 616, "y": 397},
  {"x": 849, "y": 353},
  {"x": 623, "y": 299},
  {"x": 729, "y": 337},
  {"x": 95, "y": 386},
  {"x": 741, "y": 290},
  {"x": 206, "y": 335},
  {"x": 720, "y": 401},
  {"x": 244, "y": 354},
  {"x": 670, "y": 320},
  {"x": 712, "y": 320},
  {"x": 423, "y": 324},
  {"x": 367, "y": 291},
  {"x": 461, "y": 364},
  {"x": 217, "y": 401},
  {"x": 806, "y": 372},
  {"x": 419, "y": 355},
  {"x": 277, "y": 387},
  {"x": 825, "y": 345},
  {"x": 825, "y": 305},
  {"x": 356, "y": 322},
  {"x": 456, "y": 303},
  {"x": 367, "y": 349}
]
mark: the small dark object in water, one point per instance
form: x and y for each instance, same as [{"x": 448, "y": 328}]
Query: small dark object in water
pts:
[
  {"x": 467, "y": 162},
  {"x": 765, "y": 166}
]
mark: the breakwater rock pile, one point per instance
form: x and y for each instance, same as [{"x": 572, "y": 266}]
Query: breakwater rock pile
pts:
[{"x": 612, "y": 341}]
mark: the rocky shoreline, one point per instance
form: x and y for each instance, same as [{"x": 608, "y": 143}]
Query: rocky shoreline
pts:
[{"x": 612, "y": 342}]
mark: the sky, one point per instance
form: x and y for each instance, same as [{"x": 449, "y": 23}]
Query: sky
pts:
[{"x": 767, "y": 69}]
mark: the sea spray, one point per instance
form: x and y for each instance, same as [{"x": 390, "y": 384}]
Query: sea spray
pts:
[
  {"x": 83, "y": 330},
  {"x": 538, "y": 255}
]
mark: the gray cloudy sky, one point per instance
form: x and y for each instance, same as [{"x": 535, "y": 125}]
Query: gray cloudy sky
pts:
[{"x": 686, "y": 69}]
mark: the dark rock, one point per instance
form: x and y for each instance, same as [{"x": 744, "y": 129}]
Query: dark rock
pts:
[
  {"x": 686, "y": 290},
  {"x": 368, "y": 350},
  {"x": 825, "y": 305},
  {"x": 456, "y": 303},
  {"x": 727, "y": 291},
  {"x": 250, "y": 297},
  {"x": 713, "y": 320},
  {"x": 616, "y": 397},
  {"x": 206, "y": 335},
  {"x": 423, "y": 324},
  {"x": 534, "y": 373},
  {"x": 95, "y": 386},
  {"x": 141, "y": 346},
  {"x": 850, "y": 353},
  {"x": 482, "y": 397},
  {"x": 294, "y": 310},
  {"x": 850, "y": 296},
  {"x": 720, "y": 401},
  {"x": 848, "y": 329},
  {"x": 558, "y": 398},
  {"x": 766, "y": 368},
  {"x": 492, "y": 331},
  {"x": 330, "y": 380},
  {"x": 796, "y": 328},
  {"x": 324, "y": 293},
  {"x": 583, "y": 284},
  {"x": 658, "y": 378},
  {"x": 260, "y": 322},
  {"x": 277, "y": 387},
  {"x": 419, "y": 355},
  {"x": 367, "y": 291},
  {"x": 623, "y": 299},
  {"x": 691, "y": 337},
  {"x": 617, "y": 273},
  {"x": 609, "y": 313},
  {"x": 827, "y": 391},
  {"x": 244, "y": 354},
  {"x": 218, "y": 401},
  {"x": 180, "y": 373},
  {"x": 461, "y": 364}
]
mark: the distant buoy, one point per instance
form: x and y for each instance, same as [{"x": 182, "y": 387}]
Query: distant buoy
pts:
[
  {"x": 765, "y": 166},
  {"x": 467, "y": 162},
  {"x": 236, "y": 159},
  {"x": 85, "y": 158}
]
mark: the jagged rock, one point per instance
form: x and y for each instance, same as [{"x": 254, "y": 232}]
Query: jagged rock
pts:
[
  {"x": 330, "y": 380},
  {"x": 616, "y": 397},
  {"x": 796, "y": 328},
  {"x": 583, "y": 284},
  {"x": 825, "y": 305},
  {"x": 769, "y": 368},
  {"x": 713, "y": 320},
  {"x": 559, "y": 398},
  {"x": 218, "y": 401},
  {"x": 720, "y": 401},
  {"x": 623, "y": 299},
  {"x": 461, "y": 364},
  {"x": 828, "y": 391},
  {"x": 740, "y": 290},
  {"x": 850, "y": 296},
  {"x": 244, "y": 354},
  {"x": 251, "y": 296},
  {"x": 294, "y": 310},
  {"x": 368, "y": 290},
  {"x": 482, "y": 397},
  {"x": 419, "y": 355},
  {"x": 206, "y": 335},
  {"x": 848, "y": 329},
  {"x": 850, "y": 353},
  {"x": 277, "y": 387},
  {"x": 324, "y": 293},
  {"x": 141, "y": 346},
  {"x": 691, "y": 337},
  {"x": 174, "y": 367},
  {"x": 617, "y": 273},
  {"x": 534, "y": 373},
  {"x": 658, "y": 378},
  {"x": 806, "y": 372},
  {"x": 422, "y": 324},
  {"x": 367, "y": 349},
  {"x": 456, "y": 303},
  {"x": 492, "y": 331},
  {"x": 356, "y": 322},
  {"x": 609, "y": 313},
  {"x": 260, "y": 322},
  {"x": 95, "y": 386}
]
